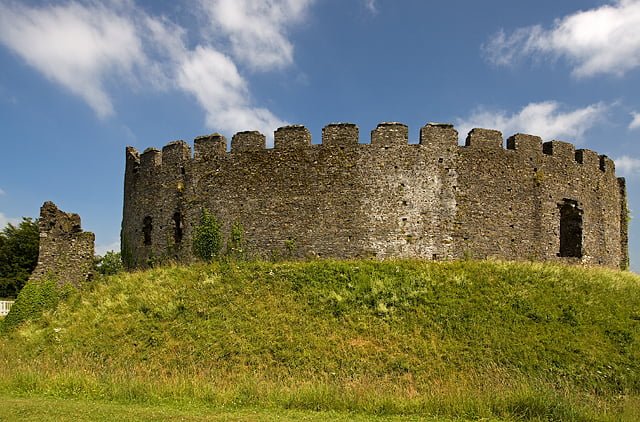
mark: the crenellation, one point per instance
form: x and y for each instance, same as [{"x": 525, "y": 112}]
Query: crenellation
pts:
[
  {"x": 132, "y": 164},
  {"x": 525, "y": 143},
  {"x": 390, "y": 134},
  {"x": 292, "y": 137},
  {"x": 340, "y": 134},
  {"x": 439, "y": 136},
  {"x": 209, "y": 147},
  {"x": 175, "y": 154},
  {"x": 607, "y": 165},
  {"x": 339, "y": 199},
  {"x": 248, "y": 141},
  {"x": 560, "y": 149},
  {"x": 484, "y": 139},
  {"x": 150, "y": 158},
  {"x": 589, "y": 159}
]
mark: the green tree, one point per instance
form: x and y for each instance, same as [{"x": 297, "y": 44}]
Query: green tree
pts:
[
  {"x": 110, "y": 263},
  {"x": 207, "y": 240},
  {"x": 18, "y": 255}
]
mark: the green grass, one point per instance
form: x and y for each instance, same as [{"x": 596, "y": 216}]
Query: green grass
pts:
[
  {"x": 466, "y": 340},
  {"x": 28, "y": 409}
]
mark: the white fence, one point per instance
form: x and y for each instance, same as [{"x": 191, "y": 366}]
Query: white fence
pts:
[{"x": 5, "y": 305}]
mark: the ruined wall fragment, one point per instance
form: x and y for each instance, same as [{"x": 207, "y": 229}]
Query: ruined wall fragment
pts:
[{"x": 66, "y": 252}]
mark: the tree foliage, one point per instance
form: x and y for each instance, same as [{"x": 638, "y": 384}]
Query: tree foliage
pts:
[
  {"x": 18, "y": 255},
  {"x": 110, "y": 263},
  {"x": 207, "y": 239}
]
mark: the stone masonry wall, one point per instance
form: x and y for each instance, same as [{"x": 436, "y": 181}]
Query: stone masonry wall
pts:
[
  {"x": 388, "y": 198},
  {"x": 66, "y": 252}
]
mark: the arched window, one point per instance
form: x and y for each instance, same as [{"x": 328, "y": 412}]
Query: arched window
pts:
[
  {"x": 570, "y": 229},
  {"x": 147, "y": 227}
]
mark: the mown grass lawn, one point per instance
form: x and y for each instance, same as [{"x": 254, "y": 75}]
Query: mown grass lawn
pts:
[{"x": 44, "y": 409}]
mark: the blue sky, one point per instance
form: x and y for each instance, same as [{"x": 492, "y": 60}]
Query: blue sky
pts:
[{"x": 80, "y": 80}]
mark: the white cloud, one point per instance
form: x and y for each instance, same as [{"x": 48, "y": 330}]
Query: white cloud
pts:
[
  {"x": 77, "y": 46},
  {"x": 103, "y": 249},
  {"x": 256, "y": 30},
  {"x": 595, "y": 41},
  {"x": 4, "y": 220},
  {"x": 544, "y": 119},
  {"x": 627, "y": 166},
  {"x": 371, "y": 6},
  {"x": 635, "y": 122},
  {"x": 84, "y": 46},
  {"x": 214, "y": 80},
  {"x": 2, "y": 192}
]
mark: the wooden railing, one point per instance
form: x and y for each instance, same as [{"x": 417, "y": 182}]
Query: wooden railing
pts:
[{"x": 5, "y": 305}]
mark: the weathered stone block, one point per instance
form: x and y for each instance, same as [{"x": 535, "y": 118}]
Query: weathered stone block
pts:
[
  {"x": 484, "y": 139},
  {"x": 209, "y": 147},
  {"x": 438, "y": 136},
  {"x": 248, "y": 141},
  {"x": 589, "y": 159},
  {"x": 340, "y": 134},
  {"x": 526, "y": 143},
  {"x": 390, "y": 134},
  {"x": 559, "y": 149},
  {"x": 292, "y": 137}
]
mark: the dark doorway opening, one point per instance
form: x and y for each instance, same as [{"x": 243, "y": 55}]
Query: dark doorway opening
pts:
[
  {"x": 570, "y": 229},
  {"x": 147, "y": 227}
]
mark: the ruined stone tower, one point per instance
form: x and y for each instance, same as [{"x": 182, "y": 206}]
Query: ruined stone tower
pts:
[
  {"x": 431, "y": 200},
  {"x": 66, "y": 252}
]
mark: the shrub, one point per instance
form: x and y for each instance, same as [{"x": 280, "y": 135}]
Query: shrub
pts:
[
  {"x": 207, "y": 240},
  {"x": 36, "y": 297},
  {"x": 109, "y": 264}
]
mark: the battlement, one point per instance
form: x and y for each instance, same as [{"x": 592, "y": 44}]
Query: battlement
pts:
[
  {"x": 484, "y": 139},
  {"x": 209, "y": 147},
  {"x": 435, "y": 199},
  {"x": 389, "y": 134},
  {"x": 292, "y": 137},
  {"x": 433, "y": 136},
  {"x": 248, "y": 141}
]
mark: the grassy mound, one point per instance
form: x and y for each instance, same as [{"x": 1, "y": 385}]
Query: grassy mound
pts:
[
  {"x": 459, "y": 339},
  {"x": 36, "y": 297}
]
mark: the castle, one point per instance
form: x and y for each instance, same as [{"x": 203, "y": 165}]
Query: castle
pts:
[{"x": 432, "y": 200}]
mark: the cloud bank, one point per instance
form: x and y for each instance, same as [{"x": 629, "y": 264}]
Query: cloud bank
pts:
[
  {"x": 635, "y": 121},
  {"x": 627, "y": 165},
  {"x": 74, "y": 45},
  {"x": 256, "y": 30},
  {"x": 604, "y": 40},
  {"x": 545, "y": 119},
  {"x": 89, "y": 48}
]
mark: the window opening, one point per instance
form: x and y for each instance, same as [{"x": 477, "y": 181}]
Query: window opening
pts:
[
  {"x": 177, "y": 227},
  {"x": 147, "y": 227},
  {"x": 570, "y": 229}
]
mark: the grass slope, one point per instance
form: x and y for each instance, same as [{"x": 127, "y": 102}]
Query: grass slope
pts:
[{"x": 459, "y": 339}]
